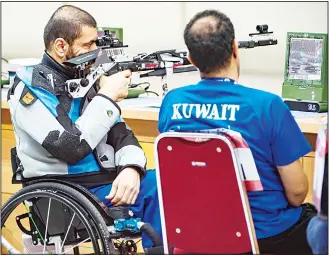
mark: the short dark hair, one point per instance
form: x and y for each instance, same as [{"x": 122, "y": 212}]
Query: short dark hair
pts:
[
  {"x": 67, "y": 22},
  {"x": 210, "y": 44}
]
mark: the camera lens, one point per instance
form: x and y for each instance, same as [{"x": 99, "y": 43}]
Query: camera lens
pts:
[{"x": 262, "y": 28}]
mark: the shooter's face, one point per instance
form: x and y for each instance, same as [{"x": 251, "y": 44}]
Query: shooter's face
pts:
[{"x": 84, "y": 44}]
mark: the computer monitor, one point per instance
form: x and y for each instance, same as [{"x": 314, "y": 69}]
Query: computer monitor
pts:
[
  {"x": 115, "y": 31},
  {"x": 306, "y": 69}
]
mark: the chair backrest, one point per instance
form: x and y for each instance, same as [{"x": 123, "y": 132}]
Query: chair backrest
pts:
[{"x": 203, "y": 202}]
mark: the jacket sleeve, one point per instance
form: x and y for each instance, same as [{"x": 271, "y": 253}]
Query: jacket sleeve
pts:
[
  {"x": 128, "y": 152},
  {"x": 39, "y": 113}
]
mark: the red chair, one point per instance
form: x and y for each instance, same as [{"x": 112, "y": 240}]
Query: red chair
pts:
[{"x": 203, "y": 202}]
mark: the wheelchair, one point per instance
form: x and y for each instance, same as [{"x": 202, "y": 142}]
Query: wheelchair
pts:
[{"x": 81, "y": 224}]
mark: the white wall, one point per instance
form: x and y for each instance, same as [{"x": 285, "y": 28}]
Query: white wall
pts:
[
  {"x": 152, "y": 26},
  {"x": 282, "y": 17},
  {"x": 147, "y": 26},
  {"x": 22, "y": 25}
]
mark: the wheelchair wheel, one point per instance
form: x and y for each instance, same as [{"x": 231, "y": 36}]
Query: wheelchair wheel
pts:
[{"x": 73, "y": 218}]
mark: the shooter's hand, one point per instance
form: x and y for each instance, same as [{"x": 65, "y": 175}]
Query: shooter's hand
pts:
[
  {"x": 116, "y": 85},
  {"x": 125, "y": 187}
]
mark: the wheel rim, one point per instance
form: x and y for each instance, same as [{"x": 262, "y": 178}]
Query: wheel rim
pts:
[{"x": 78, "y": 210}]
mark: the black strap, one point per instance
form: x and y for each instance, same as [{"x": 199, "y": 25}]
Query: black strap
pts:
[{"x": 17, "y": 167}]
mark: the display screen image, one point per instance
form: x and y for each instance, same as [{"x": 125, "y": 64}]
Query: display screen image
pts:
[{"x": 305, "y": 59}]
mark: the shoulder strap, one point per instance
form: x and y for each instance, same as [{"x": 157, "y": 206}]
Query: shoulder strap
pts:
[{"x": 11, "y": 90}]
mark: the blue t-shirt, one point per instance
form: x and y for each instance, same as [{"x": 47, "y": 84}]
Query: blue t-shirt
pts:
[{"x": 266, "y": 124}]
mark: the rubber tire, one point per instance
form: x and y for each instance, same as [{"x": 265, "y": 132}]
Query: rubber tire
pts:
[{"x": 108, "y": 247}]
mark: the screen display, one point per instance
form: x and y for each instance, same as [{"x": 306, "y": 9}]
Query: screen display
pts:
[
  {"x": 101, "y": 33},
  {"x": 305, "y": 59}
]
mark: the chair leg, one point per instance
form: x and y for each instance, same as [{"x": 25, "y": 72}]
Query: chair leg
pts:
[{"x": 76, "y": 251}]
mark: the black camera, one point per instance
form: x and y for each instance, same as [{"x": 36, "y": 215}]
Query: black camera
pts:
[
  {"x": 262, "y": 29},
  {"x": 108, "y": 40}
]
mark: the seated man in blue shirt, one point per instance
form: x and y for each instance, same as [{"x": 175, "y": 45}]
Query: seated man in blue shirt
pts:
[{"x": 263, "y": 119}]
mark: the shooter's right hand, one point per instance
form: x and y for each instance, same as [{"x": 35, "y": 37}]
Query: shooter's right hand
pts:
[{"x": 116, "y": 85}]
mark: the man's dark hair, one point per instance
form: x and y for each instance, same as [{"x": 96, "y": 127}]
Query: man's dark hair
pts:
[
  {"x": 209, "y": 38},
  {"x": 67, "y": 22}
]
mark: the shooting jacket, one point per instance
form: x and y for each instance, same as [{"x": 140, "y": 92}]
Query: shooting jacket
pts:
[{"x": 79, "y": 139}]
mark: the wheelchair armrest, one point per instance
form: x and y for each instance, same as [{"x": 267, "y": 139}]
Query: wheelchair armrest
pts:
[{"x": 16, "y": 167}]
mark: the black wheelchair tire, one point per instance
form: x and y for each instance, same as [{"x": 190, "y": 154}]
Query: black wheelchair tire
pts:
[{"x": 71, "y": 195}]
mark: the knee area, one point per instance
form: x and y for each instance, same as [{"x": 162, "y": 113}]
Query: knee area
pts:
[
  {"x": 150, "y": 177},
  {"x": 149, "y": 182}
]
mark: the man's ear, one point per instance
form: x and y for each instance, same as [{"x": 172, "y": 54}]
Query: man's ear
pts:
[
  {"x": 235, "y": 49},
  {"x": 60, "y": 47},
  {"x": 189, "y": 59}
]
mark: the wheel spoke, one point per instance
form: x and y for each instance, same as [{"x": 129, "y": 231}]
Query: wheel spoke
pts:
[
  {"x": 35, "y": 225},
  {"x": 44, "y": 243},
  {"x": 76, "y": 245},
  {"x": 67, "y": 232}
]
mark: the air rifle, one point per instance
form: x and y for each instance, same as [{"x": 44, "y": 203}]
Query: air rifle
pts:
[{"x": 110, "y": 58}]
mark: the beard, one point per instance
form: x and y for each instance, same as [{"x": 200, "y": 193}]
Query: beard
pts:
[{"x": 70, "y": 54}]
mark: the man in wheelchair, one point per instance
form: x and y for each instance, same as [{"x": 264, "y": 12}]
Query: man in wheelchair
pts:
[
  {"x": 79, "y": 140},
  {"x": 264, "y": 121}
]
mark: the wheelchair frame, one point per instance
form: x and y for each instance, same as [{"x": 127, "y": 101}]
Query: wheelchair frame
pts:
[
  {"x": 53, "y": 233},
  {"x": 102, "y": 219}
]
